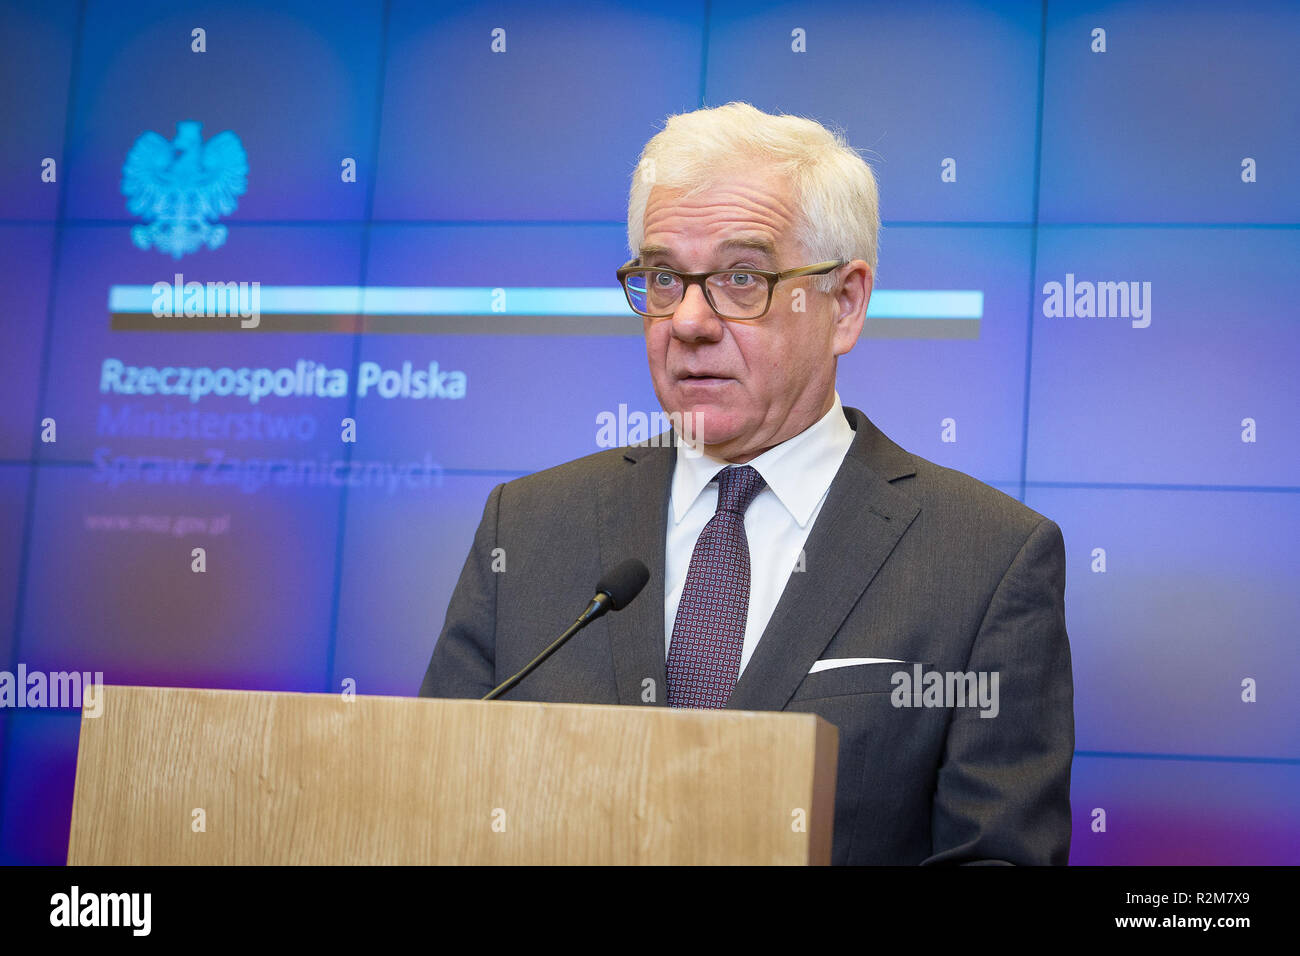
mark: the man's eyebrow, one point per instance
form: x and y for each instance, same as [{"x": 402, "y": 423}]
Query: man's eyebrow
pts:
[
  {"x": 752, "y": 244},
  {"x": 748, "y": 243}
]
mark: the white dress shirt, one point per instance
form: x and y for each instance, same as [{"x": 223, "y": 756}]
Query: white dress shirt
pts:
[{"x": 798, "y": 473}]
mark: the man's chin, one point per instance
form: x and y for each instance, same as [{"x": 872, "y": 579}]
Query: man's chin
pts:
[{"x": 702, "y": 423}]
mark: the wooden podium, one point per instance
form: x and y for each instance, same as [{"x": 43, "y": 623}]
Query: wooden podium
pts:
[{"x": 177, "y": 776}]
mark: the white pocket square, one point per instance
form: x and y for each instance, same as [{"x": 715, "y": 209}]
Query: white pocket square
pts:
[{"x": 830, "y": 662}]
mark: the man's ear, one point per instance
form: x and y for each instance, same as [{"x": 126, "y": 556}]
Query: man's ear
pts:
[{"x": 852, "y": 295}]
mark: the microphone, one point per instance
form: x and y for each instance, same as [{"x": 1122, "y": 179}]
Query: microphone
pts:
[{"x": 614, "y": 591}]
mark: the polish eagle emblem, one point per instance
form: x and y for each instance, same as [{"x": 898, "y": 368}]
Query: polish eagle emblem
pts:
[{"x": 180, "y": 188}]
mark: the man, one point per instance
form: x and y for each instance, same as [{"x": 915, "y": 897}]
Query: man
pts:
[{"x": 799, "y": 559}]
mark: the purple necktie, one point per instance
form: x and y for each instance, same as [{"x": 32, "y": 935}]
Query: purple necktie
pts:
[{"x": 709, "y": 633}]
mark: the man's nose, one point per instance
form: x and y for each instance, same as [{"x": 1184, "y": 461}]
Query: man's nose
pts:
[{"x": 695, "y": 320}]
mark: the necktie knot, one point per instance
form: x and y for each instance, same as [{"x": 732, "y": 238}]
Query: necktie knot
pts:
[{"x": 737, "y": 488}]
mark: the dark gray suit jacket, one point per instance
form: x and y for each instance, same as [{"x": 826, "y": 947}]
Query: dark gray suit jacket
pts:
[{"x": 907, "y": 560}]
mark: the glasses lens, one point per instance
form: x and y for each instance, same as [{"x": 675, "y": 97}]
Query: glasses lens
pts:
[
  {"x": 739, "y": 295},
  {"x": 653, "y": 293},
  {"x": 735, "y": 295}
]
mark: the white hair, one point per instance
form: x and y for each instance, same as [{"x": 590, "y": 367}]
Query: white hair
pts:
[{"x": 834, "y": 188}]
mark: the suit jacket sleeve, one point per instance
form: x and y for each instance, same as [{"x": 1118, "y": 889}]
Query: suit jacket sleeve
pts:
[
  {"x": 1003, "y": 790},
  {"x": 463, "y": 662}
]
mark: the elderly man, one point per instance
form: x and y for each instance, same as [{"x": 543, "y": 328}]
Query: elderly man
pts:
[{"x": 799, "y": 559}]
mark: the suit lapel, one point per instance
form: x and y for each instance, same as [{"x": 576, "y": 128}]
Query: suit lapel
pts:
[
  {"x": 861, "y": 521},
  {"x": 635, "y": 506}
]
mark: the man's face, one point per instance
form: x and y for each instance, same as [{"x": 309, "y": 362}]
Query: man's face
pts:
[{"x": 746, "y": 385}]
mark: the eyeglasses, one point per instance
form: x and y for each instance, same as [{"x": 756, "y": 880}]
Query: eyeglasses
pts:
[{"x": 741, "y": 294}]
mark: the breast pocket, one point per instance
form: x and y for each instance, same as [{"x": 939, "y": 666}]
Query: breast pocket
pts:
[{"x": 853, "y": 679}]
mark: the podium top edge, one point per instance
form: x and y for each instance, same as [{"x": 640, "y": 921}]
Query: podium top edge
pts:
[{"x": 114, "y": 690}]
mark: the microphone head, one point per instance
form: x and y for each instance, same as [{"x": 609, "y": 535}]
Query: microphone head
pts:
[{"x": 623, "y": 582}]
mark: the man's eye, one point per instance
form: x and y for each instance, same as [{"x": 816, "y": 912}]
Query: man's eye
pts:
[
  {"x": 741, "y": 279},
  {"x": 664, "y": 279}
]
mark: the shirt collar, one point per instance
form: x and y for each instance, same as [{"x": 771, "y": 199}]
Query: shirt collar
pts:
[{"x": 799, "y": 470}]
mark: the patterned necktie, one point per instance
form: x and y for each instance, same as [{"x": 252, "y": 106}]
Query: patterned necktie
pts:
[{"x": 709, "y": 633}]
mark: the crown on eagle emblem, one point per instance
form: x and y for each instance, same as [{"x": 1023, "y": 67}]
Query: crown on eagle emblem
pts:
[{"x": 180, "y": 187}]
